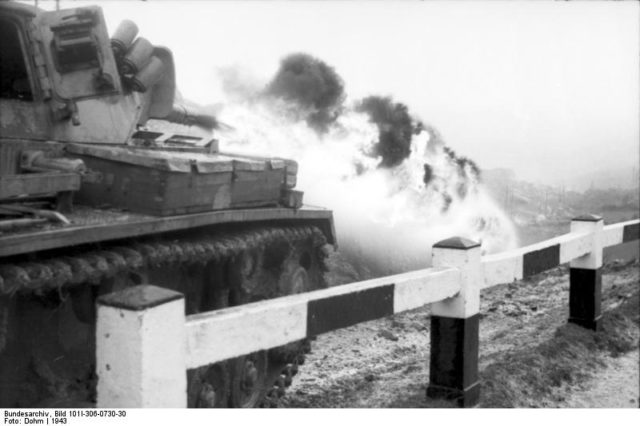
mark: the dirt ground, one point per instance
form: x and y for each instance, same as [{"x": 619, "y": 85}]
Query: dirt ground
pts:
[
  {"x": 529, "y": 355},
  {"x": 604, "y": 388}
]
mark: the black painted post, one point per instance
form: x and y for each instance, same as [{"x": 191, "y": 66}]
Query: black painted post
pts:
[
  {"x": 453, "y": 368},
  {"x": 585, "y": 277}
]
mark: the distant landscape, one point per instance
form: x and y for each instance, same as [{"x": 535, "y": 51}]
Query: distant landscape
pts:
[{"x": 543, "y": 211}]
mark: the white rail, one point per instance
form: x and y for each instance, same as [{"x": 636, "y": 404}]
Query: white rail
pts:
[
  {"x": 615, "y": 234},
  {"x": 232, "y": 332}
]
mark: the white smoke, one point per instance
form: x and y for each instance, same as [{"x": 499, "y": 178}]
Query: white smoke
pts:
[{"x": 386, "y": 219}]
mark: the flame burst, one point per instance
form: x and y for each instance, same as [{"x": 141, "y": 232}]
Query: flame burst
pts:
[{"x": 386, "y": 218}]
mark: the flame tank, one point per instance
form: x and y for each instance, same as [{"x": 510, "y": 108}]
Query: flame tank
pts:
[{"x": 97, "y": 199}]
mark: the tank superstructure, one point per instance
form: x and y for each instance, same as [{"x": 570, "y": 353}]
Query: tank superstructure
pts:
[{"x": 94, "y": 198}]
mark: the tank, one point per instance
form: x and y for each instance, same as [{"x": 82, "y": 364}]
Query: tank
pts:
[{"x": 108, "y": 181}]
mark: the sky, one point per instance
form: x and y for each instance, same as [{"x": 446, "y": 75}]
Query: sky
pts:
[{"x": 548, "y": 89}]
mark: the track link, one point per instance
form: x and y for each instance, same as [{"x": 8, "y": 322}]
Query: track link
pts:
[
  {"x": 285, "y": 379},
  {"x": 92, "y": 267}
]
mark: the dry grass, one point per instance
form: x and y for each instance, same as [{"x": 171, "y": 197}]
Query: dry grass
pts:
[{"x": 540, "y": 376}]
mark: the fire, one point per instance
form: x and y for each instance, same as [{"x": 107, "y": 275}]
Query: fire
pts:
[{"x": 386, "y": 218}]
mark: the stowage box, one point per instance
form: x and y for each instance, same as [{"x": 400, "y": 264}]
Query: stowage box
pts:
[{"x": 172, "y": 182}]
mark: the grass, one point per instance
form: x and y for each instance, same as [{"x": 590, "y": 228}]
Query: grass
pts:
[{"x": 540, "y": 376}]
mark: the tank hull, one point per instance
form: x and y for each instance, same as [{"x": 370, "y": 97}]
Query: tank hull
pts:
[
  {"x": 47, "y": 306},
  {"x": 108, "y": 181}
]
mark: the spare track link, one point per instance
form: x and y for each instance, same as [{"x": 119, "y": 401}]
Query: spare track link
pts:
[{"x": 52, "y": 274}]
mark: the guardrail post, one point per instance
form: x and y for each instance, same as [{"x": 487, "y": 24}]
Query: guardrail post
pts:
[
  {"x": 453, "y": 368},
  {"x": 140, "y": 349},
  {"x": 585, "y": 276}
]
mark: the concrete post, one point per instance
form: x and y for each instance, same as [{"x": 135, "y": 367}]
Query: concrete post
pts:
[
  {"x": 141, "y": 349},
  {"x": 453, "y": 370},
  {"x": 585, "y": 276}
]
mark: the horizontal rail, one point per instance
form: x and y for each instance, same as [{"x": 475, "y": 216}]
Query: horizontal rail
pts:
[
  {"x": 620, "y": 233},
  {"x": 514, "y": 265},
  {"x": 231, "y": 332}
]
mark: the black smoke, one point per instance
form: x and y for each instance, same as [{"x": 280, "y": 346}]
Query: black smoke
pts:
[
  {"x": 428, "y": 174},
  {"x": 312, "y": 85},
  {"x": 466, "y": 168},
  {"x": 317, "y": 92},
  {"x": 463, "y": 163},
  {"x": 395, "y": 126}
]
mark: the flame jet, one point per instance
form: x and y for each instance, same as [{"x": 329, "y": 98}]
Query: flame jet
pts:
[{"x": 394, "y": 185}]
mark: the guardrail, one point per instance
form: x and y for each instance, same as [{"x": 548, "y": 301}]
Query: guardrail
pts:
[{"x": 145, "y": 343}]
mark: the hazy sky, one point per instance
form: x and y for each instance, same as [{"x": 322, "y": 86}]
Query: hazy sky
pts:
[{"x": 549, "y": 89}]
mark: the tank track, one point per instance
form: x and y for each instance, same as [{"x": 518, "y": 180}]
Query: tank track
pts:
[
  {"x": 53, "y": 274},
  {"x": 296, "y": 359},
  {"x": 94, "y": 266}
]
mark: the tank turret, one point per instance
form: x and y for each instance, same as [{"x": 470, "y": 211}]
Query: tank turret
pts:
[{"x": 64, "y": 74}]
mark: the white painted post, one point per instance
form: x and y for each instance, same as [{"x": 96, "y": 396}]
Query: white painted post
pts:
[
  {"x": 453, "y": 368},
  {"x": 141, "y": 349},
  {"x": 585, "y": 276}
]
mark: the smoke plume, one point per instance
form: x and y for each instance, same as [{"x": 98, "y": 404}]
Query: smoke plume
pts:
[
  {"x": 393, "y": 184},
  {"x": 395, "y": 128},
  {"x": 312, "y": 85}
]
